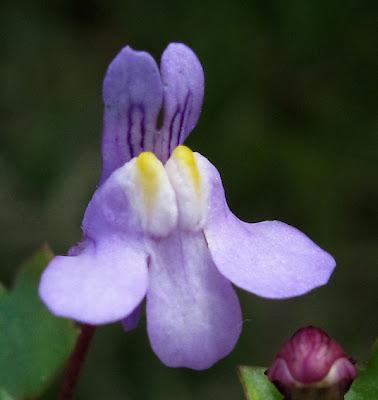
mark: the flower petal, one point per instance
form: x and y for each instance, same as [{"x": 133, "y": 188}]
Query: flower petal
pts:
[
  {"x": 183, "y": 80},
  {"x": 271, "y": 259},
  {"x": 111, "y": 210},
  {"x": 133, "y": 95},
  {"x": 193, "y": 313},
  {"x": 132, "y": 320},
  {"x": 136, "y": 199},
  {"x": 102, "y": 284},
  {"x": 105, "y": 277}
]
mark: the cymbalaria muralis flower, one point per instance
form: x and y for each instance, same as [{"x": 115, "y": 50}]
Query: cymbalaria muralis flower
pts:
[
  {"x": 159, "y": 227},
  {"x": 311, "y": 365}
]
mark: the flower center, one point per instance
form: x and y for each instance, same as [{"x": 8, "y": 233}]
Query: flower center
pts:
[
  {"x": 151, "y": 194},
  {"x": 149, "y": 168},
  {"x": 170, "y": 195},
  {"x": 189, "y": 186},
  {"x": 186, "y": 158}
]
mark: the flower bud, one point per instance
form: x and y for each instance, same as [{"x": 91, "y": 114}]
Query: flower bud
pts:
[{"x": 311, "y": 365}]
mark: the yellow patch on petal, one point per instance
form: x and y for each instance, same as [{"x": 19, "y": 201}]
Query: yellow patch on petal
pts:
[
  {"x": 149, "y": 171},
  {"x": 186, "y": 158}
]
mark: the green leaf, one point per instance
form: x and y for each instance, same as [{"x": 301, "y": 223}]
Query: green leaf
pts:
[
  {"x": 33, "y": 343},
  {"x": 365, "y": 387},
  {"x": 256, "y": 385},
  {"x": 5, "y": 396}
]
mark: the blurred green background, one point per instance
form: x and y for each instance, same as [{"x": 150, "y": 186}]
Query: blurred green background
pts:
[{"x": 289, "y": 118}]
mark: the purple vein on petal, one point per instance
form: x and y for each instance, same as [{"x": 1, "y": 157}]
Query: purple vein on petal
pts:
[
  {"x": 136, "y": 130},
  {"x": 172, "y": 125},
  {"x": 133, "y": 96},
  {"x": 183, "y": 80},
  {"x": 184, "y": 120}
]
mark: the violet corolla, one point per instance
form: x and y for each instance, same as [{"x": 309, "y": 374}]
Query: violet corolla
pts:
[{"x": 158, "y": 226}]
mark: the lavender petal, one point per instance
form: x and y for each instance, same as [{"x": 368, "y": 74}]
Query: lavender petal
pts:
[
  {"x": 183, "y": 81},
  {"x": 271, "y": 259},
  {"x": 103, "y": 284},
  {"x": 193, "y": 313},
  {"x": 133, "y": 95}
]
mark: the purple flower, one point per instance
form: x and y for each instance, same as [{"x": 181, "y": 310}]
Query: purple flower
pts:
[
  {"x": 311, "y": 362},
  {"x": 159, "y": 227}
]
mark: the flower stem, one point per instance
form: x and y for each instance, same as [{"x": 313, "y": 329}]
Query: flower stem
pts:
[{"x": 75, "y": 362}]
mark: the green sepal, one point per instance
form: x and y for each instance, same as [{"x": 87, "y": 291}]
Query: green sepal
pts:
[
  {"x": 365, "y": 386},
  {"x": 256, "y": 385}
]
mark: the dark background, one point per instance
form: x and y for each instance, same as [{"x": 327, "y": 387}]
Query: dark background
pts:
[{"x": 290, "y": 120}]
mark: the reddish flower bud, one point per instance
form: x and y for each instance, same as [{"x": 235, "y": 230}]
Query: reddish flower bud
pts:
[{"x": 311, "y": 365}]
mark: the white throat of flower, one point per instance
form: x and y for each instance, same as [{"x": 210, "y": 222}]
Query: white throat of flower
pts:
[{"x": 165, "y": 197}]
